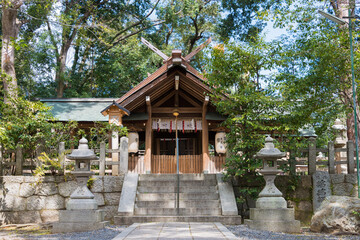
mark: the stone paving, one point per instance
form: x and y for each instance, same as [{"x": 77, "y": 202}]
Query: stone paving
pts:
[{"x": 176, "y": 230}]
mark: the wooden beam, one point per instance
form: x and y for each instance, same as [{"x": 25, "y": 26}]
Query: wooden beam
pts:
[
  {"x": 148, "y": 137},
  {"x": 181, "y": 110},
  {"x": 198, "y": 49},
  {"x": 205, "y": 137},
  {"x": 189, "y": 99},
  {"x": 152, "y": 47},
  {"x": 159, "y": 103}
]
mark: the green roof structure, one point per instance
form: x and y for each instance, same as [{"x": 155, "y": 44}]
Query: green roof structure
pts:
[{"x": 79, "y": 109}]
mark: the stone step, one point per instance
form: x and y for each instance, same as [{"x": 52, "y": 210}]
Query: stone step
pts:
[
  {"x": 171, "y": 196},
  {"x": 128, "y": 220},
  {"x": 184, "y": 183},
  {"x": 173, "y": 211},
  {"x": 173, "y": 177},
  {"x": 183, "y": 204},
  {"x": 172, "y": 189}
]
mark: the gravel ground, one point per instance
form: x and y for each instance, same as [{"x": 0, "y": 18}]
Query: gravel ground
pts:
[
  {"x": 245, "y": 233},
  {"x": 108, "y": 233}
]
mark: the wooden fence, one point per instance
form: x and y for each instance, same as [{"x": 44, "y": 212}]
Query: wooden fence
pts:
[
  {"x": 167, "y": 163},
  {"x": 136, "y": 163},
  {"x": 309, "y": 163},
  {"x": 217, "y": 164},
  {"x": 17, "y": 160}
]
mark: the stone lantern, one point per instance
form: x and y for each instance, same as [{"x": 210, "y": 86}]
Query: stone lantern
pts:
[
  {"x": 340, "y": 142},
  {"x": 340, "y": 130},
  {"x": 271, "y": 212},
  {"x": 81, "y": 212}
]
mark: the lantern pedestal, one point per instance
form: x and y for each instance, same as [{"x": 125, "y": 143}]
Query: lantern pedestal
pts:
[
  {"x": 271, "y": 212},
  {"x": 81, "y": 212}
]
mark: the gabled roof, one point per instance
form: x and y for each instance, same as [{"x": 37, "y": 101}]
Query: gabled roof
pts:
[
  {"x": 124, "y": 110},
  {"x": 160, "y": 81},
  {"x": 78, "y": 109}
]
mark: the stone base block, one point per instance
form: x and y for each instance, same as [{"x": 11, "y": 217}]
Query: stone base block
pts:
[
  {"x": 90, "y": 216},
  {"x": 282, "y": 214},
  {"x": 79, "y": 221},
  {"x": 74, "y": 204},
  {"x": 271, "y": 202},
  {"x": 292, "y": 226},
  {"x": 77, "y": 227}
]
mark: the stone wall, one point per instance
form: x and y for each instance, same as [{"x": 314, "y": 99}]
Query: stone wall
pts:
[
  {"x": 22, "y": 200},
  {"x": 297, "y": 191},
  {"x": 344, "y": 185}
]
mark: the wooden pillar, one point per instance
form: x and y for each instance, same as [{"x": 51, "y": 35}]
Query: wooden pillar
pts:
[
  {"x": 115, "y": 112},
  {"x": 115, "y": 119},
  {"x": 148, "y": 138},
  {"x": 205, "y": 137}
]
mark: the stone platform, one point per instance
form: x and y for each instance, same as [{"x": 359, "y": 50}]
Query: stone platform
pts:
[
  {"x": 79, "y": 221},
  {"x": 276, "y": 220}
]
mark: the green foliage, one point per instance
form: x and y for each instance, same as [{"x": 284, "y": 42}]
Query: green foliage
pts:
[
  {"x": 30, "y": 125},
  {"x": 47, "y": 164},
  {"x": 102, "y": 132},
  {"x": 251, "y": 111},
  {"x": 90, "y": 182},
  {"x": 356, "y": 213}
]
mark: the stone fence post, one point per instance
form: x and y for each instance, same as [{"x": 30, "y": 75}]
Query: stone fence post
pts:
[
  {"x": 102, "y": 159},
  {"x": 19, "y": 161},
  {"x": 331, "y": 157},
  {"x": 292, "y": 163},
  {"x": 62, "y": 156},
  {"x": 350, "y": 157},
  {"x": 312, "y": 156},
  {"x": 124, "y": 155}
]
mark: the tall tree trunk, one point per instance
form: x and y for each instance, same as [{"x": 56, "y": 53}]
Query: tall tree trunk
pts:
[
  {"x": 10, "y": 30},
  {"x": 60, "y": 74},
  {"x": 341, "y": 8}
]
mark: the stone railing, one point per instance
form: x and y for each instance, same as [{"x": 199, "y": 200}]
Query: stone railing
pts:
[{"x": 332, "y": 161}]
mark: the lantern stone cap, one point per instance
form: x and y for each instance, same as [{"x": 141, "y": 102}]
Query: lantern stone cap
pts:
[
  {"x": 338, "y": 125},
  {"x": 269, "y": 151},
  {"x": 83, "y": 152}
]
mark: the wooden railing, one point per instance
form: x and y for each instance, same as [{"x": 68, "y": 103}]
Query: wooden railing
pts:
[
  {"x": 136, "y": 164},
  {"x": 167, "y": 163},
  {"x": 217, "y": 164}
]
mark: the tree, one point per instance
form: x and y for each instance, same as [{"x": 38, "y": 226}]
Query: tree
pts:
[
  {"x": 19, "y": 19},
  {"x": 235, "y": 70},
  {"x": 315, "y": 65},
  {"x": 103, "y": 24},
  {"x": 241, "y": 21},
  {"x": 10, "y": 31}
]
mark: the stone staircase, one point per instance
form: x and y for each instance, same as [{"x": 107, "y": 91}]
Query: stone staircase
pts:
[{"x": 155, "y": 200}]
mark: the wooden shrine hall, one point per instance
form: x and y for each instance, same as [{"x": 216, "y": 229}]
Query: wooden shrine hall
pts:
[{"x": 175, "y": 96}]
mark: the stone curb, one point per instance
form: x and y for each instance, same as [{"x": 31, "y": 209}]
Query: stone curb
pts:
[
  {"x": 126, "y": 232},
  {"x": 229, "y": 235}
]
